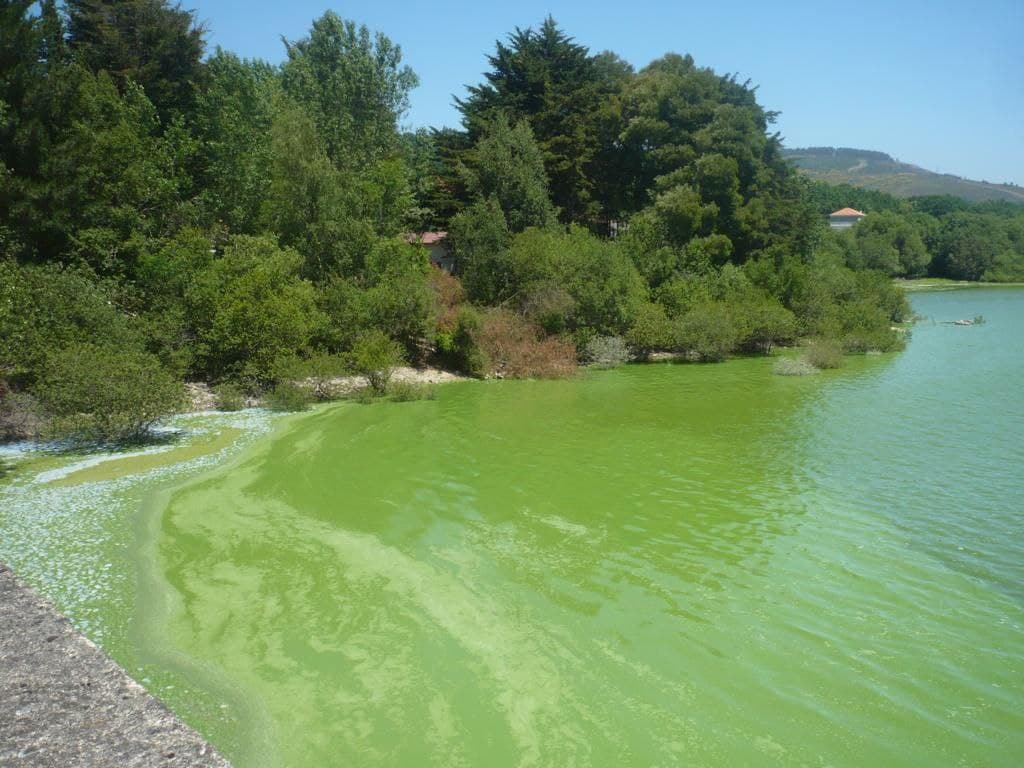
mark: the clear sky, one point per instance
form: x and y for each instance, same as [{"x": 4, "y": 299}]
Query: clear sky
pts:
[{"x": 939, "y": 84}]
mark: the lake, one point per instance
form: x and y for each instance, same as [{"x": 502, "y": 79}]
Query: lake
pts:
[{"x": 657, "y": 565}]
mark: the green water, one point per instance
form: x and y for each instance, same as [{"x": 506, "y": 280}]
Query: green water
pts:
[
  {"x": 662, "y": 565},
  {"x": 654, "y": 566}
]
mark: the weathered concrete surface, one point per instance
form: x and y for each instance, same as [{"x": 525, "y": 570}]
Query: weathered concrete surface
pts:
[{"x": 64, "y": 703}]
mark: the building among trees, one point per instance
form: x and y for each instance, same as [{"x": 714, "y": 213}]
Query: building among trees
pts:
[
  {"x": 844, "y": 218},
  {"x": 438, "y": 248}
]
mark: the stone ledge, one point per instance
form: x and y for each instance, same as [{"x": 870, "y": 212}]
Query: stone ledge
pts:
[{"x": 64, "y": 703}]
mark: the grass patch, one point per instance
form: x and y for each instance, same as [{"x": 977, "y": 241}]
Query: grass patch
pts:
[
  {"x": 407, "y": 391},
  {"x": 289, "y": 397}
]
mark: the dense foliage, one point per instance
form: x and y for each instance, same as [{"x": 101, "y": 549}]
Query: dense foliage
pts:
[
  {"x": 165, "y": 216},
  {"x": 935, "y": 236}
]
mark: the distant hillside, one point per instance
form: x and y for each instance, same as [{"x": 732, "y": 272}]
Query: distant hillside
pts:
[{"x": 877, "y": 170}]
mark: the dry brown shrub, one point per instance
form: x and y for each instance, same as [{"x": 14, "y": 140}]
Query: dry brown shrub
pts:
[
  {"x": 449, "y": 295},
  {"x": 516, "y": 348}
]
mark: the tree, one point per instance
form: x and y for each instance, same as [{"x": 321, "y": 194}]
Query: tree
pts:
[
  {"x": 969, "y": 244},
  {"x": 109, "y": 178},
  {"x": 352, "y": 85},
  {"x": 233, "y": 119},
  {"x": 889, "y": 242},
  {"x": 373, "y": 356},
  {"x": 480, "y": 238},
  {"x": 251, "y": 310},
  {"x": 546, "y": 78},
  {"x": 508, "y": 166},
  {"x": 103, "y": 393},
  {"x": 48, "y": 307},
  {"x": 315, "y": 208},
  {"x": 148, "y": 42}
]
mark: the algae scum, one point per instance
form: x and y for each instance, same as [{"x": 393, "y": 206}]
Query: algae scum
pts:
[{"x": 657, "y": 565}]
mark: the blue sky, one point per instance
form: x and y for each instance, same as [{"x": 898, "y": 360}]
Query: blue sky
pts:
[{"x": 939, "y": 84}]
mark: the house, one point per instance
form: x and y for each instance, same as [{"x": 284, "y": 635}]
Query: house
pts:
[
  {"x": 436, "y": 244},
  {"x": 844, "y": 218}
]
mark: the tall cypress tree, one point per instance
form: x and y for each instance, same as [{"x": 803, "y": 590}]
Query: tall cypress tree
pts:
[
  {"x": 546, "y": 78},
  {"x": 149, "y": 42}
]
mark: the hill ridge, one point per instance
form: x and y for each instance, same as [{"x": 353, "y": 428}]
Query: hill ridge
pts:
[{"x": 873, "y": 169}]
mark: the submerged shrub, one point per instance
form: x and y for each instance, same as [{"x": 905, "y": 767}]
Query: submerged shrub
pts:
[
  {"x": 824, "y": 353},
  {"x": 106, "y": 394},
  {"x": 606, "y": 352},
  {"x": 288, "y": 396},
  {"x": 406, "y": 391},
  {"x": 793, "y": 366},
  {"x": 362, "y": 395}
]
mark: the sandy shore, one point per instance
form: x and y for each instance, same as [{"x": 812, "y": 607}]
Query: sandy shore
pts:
[{"x": 201, "y": 397}]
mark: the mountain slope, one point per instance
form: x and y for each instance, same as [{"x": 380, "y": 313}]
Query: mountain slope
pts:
[{"x": 877, "y": 170}]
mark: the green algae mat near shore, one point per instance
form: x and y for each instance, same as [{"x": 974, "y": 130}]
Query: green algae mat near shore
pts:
[{"x": 652, "y": 566}]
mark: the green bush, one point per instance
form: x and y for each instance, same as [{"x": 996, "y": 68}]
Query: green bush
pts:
[
  {"x": 362, "y": 395},
  {"x": 651, "y": 330},
  {"x": 406, "y": 391},
  {"x": 373, "y": 356},
  {"x": 288, "y": 396},
  {"x": 43, "y": 308},
  {"x": 458, "y": 348},
  {"x": 824, "y": 353},
  {"x": 708, "y": 332},
  {"x": 251, "y": 310},
  {"x": 106, "y": 394},
  {"x": 229, "y": 397}
]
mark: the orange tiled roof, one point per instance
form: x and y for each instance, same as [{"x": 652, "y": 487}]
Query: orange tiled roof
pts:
[
  {"x": 426, "y": 238},
  {"x": 847, "y": 212}
]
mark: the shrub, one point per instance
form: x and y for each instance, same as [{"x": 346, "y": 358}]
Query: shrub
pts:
[
  {"x": 106, "y": 394},
  {"x": 458, "y": 347},
  {"x": 373, "y": 356},
  {"x": 288, "y": 396},
  {"x": 707, "y": 332},
  {"x": 362, "y": 395},
  {"x": 548, "y": 305},
  {"x": 824, "y": 353},
  {"x": 606, "y": 351},
  {"x": 320, "y": 375},
  {"x": 43, "y": 308},
  {"x": 793, "y": 366},
  {"x": 651, "y": 330},
  {"x": 251, "y": 310},
  {"x": 229, "y": 397},
  {"x": 406, "y": 391},
  {"x": 516, "y": 349},
  {"x": 766, "y": 322}
]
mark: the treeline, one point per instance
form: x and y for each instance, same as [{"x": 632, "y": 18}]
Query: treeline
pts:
[
  {"x": 168, "y": 215},
  {"x": 933, "y": 236}
]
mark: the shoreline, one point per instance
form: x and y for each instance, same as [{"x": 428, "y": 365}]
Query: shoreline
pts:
[
  {"x": 201, "y": 397},
  {"x": 68, "y": 703}
]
